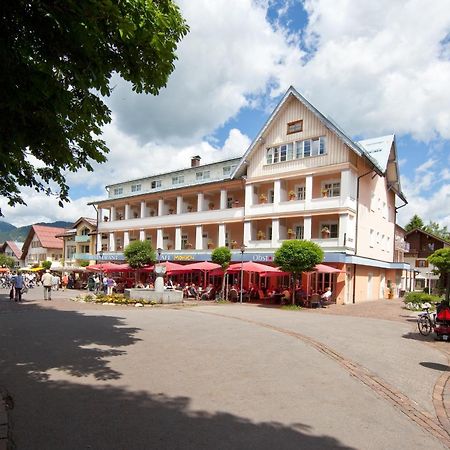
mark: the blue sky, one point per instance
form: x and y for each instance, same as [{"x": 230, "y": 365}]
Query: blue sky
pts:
[{"x": 371, "y": 66}]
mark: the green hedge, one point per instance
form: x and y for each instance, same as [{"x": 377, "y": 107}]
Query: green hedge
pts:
[{"x": 421, "y": 297}]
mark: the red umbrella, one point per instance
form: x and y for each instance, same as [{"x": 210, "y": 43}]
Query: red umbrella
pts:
[
  {"x": 171, "y": 268},
  {"x": 323, "y": 268},
  {"x": 250, "y": 266},
  {"x": 204, "y": 266},
  {"x": 106, "y": 267}
]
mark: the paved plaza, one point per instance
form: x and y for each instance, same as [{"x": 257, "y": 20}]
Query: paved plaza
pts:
[{"x": 85, "y": 376}]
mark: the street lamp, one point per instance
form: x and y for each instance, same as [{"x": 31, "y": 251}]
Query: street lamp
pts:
[
  {"x": 159, "y": 250},
  {"x": 242, "y": 271}
]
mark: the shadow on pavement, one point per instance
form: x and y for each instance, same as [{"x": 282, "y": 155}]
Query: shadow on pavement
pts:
[
  {"x": 435, "y": 366},
  {"x": 92, "y": 413}
]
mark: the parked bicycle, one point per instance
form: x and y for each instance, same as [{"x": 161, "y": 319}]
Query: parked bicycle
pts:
[{"x": 426, "y": 322}]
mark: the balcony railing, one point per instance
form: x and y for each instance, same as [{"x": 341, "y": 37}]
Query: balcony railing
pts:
[{"x": 83, "y": 238}]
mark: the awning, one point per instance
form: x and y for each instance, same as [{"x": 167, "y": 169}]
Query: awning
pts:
[{"x": 323, "y": 268}]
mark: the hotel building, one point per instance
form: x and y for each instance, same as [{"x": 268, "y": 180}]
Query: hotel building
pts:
[{"x": 302, "y": 177}]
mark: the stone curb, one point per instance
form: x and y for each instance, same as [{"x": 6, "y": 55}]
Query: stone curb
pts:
[
  {"x": 5, "y": 443},
  {"x": 396, "y": 398}
]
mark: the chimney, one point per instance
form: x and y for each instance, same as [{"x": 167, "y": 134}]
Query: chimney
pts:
[{"x": 195, "y": 161}]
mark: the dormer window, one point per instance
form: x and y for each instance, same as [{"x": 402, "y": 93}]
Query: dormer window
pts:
[
  {"x": 295, "y": 127},
  {"x": 136, "y": 187},
  {"x": 118, "y": 191},
  {"x": 204, "y": 175},
  {"x": 155, "y": 184},
  {"x": 178, "y": 179}
]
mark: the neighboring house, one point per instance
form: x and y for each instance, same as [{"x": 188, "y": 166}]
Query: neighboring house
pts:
[
  {"x": 79, "y": 242},
  {"x": 41, "y": 244},
  {"x": 421, "y": 246},
  {"x": 302, "y": 177},
  {"x": 14, "y": 250}
]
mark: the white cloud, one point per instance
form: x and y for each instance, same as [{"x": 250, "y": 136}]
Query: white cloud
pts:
[
  {"x": 426, "y": 166},
  {"x": 129, "y": 160},
  {"x": 41, "y": 208},
  {"x": 231, "y": 54},
  {"x": 377, "y": 68}
]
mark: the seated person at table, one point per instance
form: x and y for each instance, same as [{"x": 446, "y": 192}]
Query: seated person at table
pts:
[
  {"x": 286, "y": 295},
  {"x": 192, "y": 291},
  {"x": 325, "y": 297},
  {"x": 233, "y": 294},
  {"x": 209, "y": 293},
  {"x": 169, "y": 284}
]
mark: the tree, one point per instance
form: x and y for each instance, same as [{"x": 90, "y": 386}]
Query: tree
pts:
[
  {"x": 297, "y": 256},
  {"x": 415, "y": 222},
  {"x": 7, "y": 261},
  {"x": 222, "y": 256},
  {"x": 46, "y": 265},
  {"x": 139, "y": 254},
  {"x": 441, "y": 260},
  {"x": 436, "y": 229},
  {"x": 56, "y": 61},
  {"x": 84, "y": 263}
]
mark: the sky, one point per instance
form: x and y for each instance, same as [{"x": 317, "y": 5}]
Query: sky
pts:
[{"x": 375, "y": 68}]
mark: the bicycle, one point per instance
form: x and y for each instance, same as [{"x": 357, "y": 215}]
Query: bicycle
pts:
[{"x": 426, "y": 322}]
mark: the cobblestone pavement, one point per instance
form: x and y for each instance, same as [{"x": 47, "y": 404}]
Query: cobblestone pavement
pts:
[{"x": 213, "y": 376}]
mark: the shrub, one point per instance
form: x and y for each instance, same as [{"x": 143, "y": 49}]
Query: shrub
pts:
[{"x": 421, "y": 297}]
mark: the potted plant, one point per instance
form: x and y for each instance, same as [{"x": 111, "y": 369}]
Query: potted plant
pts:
[
  {"x": 105, "y": 218},
  {"x": 171, "y": 211},
  {"x": 324, "y": 193},
  {"x": 292, "y": 195},
  {"x": 189, "y": 208},
  {"x": 325, "y": 233},
  {"x": 261, "y": 235},
  {"x": 234, "y": 244},
  {"x": 211, "y": 205},
  {"x": 169, "y": 246},
  {"x": 152, "y": 213},
  {"x": 189, "y": 245},
  {"x": 210, "y": 244},
  {"x": 290, "y": 233},
  {"x": 263, "y": 198}
]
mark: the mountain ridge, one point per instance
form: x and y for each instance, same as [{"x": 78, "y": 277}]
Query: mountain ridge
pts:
[{"x": 9, "y": 232}]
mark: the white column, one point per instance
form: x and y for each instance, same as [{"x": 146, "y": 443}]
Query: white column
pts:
[
  {"x": 142, "y": 235},
  {"x": 160, "y": 207},
  {"x": 199, "y": 237},
  {"x": 275, "y": 232},
  {"x": 112, "y": 242},
  {"x": 307, "y": 228},
  {"x": 248, "y": 195},
  {"x": 309, "y": 189},
  {"x": 112, "y": 213},
  {"x": 178, "y": 238},
  {"x": 126, "y": 238},
  {"x": 200, "y": 201},
  {"x": 179, "y": 204},
  {"x": 99, "y": 242},
  {"x": 277, "y": 192},
  {"x": 222, "y": 234},
  {"x": 247, "y": 232},
  {"x": 159, "y": 238},
  {"x": 223, "y": 198},
  {"x": 343, "y": 233},
  {"x": 143, "y": 210},
  {"x": 127, "y": 211}
]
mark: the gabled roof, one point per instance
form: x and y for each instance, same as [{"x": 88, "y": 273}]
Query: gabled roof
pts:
[
  {"x": 379, "y": 149},
  {"x": 327, "y": 122},
  {"x": 14, "y": 246},
  {"x": 376, "y": 151},
  {"x": 383, "y": 150},
  {"x": 46, "y": 235},
  {"x": 92, "y": 222},
  {"x": 447, "y": 243}
]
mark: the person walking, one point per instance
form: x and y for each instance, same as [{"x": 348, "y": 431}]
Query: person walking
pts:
[
  {"x": 47, "y": 283},
  {"x": 18, "y": 286}
]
